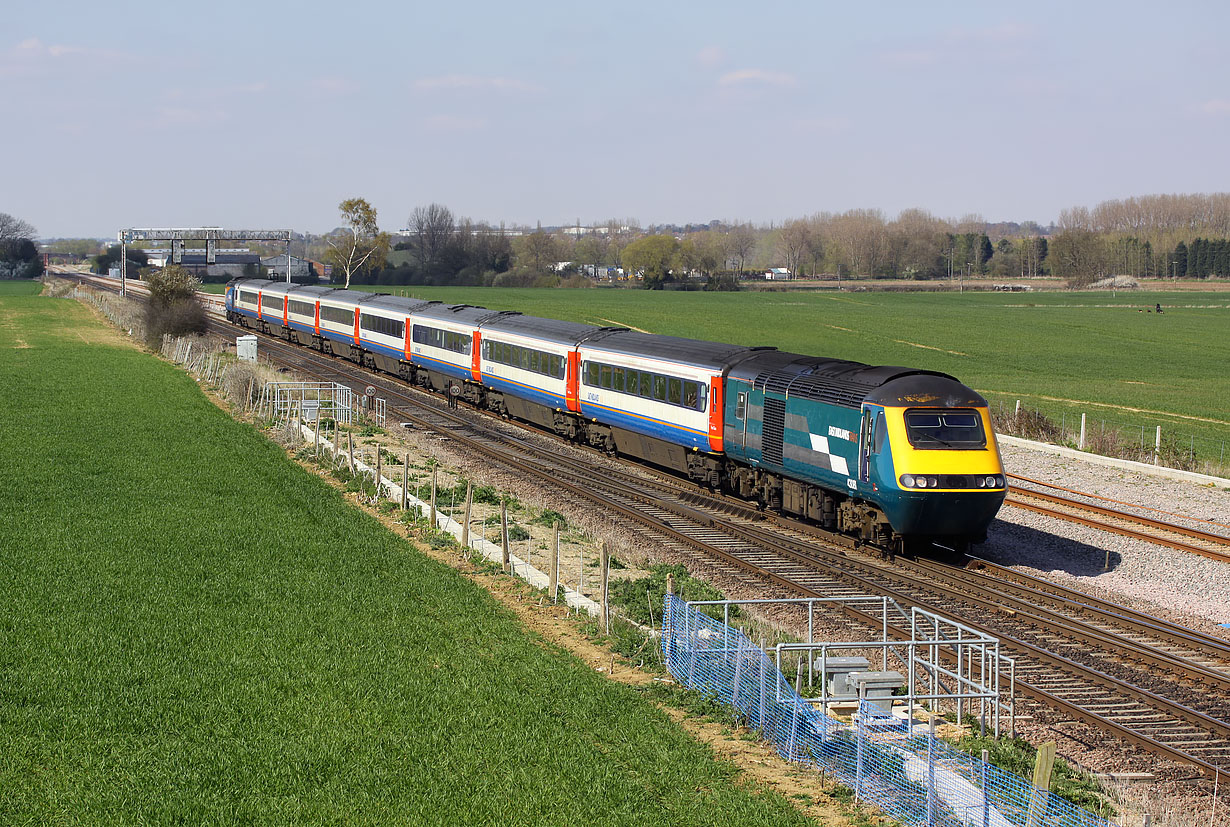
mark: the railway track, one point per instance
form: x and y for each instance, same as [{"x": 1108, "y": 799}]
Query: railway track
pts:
[
  {"x": 1155, "y": 684},
  {"x": 1212, "y": 540}
]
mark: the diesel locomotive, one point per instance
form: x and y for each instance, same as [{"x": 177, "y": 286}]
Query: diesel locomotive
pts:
[{"x": 900, "y": 458}]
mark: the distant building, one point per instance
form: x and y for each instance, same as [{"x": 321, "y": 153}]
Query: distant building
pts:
[
  {"x": 777, "y": 274},
  {"x": 231, "y": 265},
  {"x": 299, "y": 267}
]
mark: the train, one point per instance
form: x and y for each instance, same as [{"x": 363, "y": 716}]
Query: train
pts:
[{"x": 898, "y": 458}]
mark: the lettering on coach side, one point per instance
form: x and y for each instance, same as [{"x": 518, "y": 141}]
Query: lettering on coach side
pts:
[{"x": 840, "y": 433}]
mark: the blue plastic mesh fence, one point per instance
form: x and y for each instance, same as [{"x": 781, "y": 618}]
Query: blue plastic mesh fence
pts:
[{"x": 910, "y": 775}]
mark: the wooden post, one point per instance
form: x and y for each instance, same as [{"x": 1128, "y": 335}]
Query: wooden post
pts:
[
  {"x": 1081, "y": 443},
  {"x": 465, "y": 526},
  {"x": 605, "y": 565},
  {"x": 1157, "y": 446},
  {"x": 670, "y": 584},
  {"x": 350, "y": 448},
  {"x": 316, "y": 437},
  {"x": 405, "y": 483},
  {"x": 379, "y": 463},
  {"x": 433, "y": 495},
  {"x": 553, "y": 588},
  {"x": 504, "y": 533},
  {"x": 1044, "y": 763}
]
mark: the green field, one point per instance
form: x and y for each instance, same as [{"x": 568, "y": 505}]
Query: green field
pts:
[
  {"x": 194, "y": 630},
  {"x": 1064, "y": 353}
]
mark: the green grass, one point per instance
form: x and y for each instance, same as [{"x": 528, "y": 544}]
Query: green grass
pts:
[
  {"x": 10, "y": 288},
  {"x": 194, "y": 630},
  {"x": 1062, "y": 353}
]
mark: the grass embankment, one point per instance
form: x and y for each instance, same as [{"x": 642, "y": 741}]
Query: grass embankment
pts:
[
  {"x": 193, "y": 630},
  {"x": 1060, "y": 353}
]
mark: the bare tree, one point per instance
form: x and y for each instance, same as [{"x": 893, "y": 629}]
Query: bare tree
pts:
[
  {"x": 860, "y": 235},
  {"x": 360, "y": 245},
  {"x": 432, "y": 227},
  {"x": 14, "y": 229},
  {"x": 795, "y": 244},
  {"x": 741, "y": 240}
]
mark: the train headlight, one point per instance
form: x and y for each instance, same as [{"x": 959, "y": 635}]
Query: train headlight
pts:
[
  {"x": 993, "y": 482},
  {"x": 933, "y": 482},
  {"x": 907, "y": 480}
]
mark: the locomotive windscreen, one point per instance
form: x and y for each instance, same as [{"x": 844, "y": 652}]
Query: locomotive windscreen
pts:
[{"x": 944, "y": 429}]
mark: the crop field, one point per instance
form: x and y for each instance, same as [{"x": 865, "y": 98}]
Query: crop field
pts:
[
  {"x": 1063, "y": 353},
  {"x": 195, "y": 630}
]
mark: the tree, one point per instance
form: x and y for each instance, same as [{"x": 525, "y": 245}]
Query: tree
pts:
[
  {"x": 14, "y": 229},
  {"x": 795, "y": 244},
  {"x": 592, "y": 251},
  {"x": 1178, "y": 261},
  {"x": 741, "y": 241},
  {"x": 537, "y": 251},
  {"x": 432, "y": 228},
  {"x": 1078, "y": 256},
  {"x": 359, "y": 246},
  {"x": 173, "y": 306},
  {"x": 19, "y": 255},
  {"x": 712, "y": 249},
  {"x": 651, "y": 256},
  {"x": 104, "y": 261}
]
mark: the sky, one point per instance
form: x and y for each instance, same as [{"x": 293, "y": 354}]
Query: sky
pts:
[{"x": 267, "y": 114}]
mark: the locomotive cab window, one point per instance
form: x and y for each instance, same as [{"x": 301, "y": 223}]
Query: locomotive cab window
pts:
[
  {"x": 878, "y": 433},
  {"x": 945, "y": 429},
  {"x": 741, "y": 405}
]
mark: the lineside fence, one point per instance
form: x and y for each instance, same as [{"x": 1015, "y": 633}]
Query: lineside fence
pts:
[
  {"x": 1158, "y": 442},
  {"x": 901, "y": 768}
]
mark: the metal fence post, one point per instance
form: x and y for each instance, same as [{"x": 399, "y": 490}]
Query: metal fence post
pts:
[
  {"x": 931, "y": 772},
  {"x": 859, "y": 737},
  {"x": 986, "y": 800}
]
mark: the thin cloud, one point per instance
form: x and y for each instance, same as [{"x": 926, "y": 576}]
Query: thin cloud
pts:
[
  {"x": 1004, "y": 41},
  {"x": 33, "y": 49},
  {"x": 711, "y": 56},
  {"x": 757, "y": 76},
  {"x": 1217, "y": 106},
  {"x": 475, "y": 82},
  {"x": 453, "y": 123},
  {"x": 333, "y": 85},
  {"x": 179, "y": 117},
  {"x": 824, "y": 126}
]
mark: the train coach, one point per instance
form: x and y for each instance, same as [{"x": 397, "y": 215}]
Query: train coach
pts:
[{"x": 901, "y": 458}]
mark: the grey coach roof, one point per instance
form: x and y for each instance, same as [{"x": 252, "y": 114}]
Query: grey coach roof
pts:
[
  {"x": 697, "y": 352},
  {"x": 549, "y": 330},
  {"x": 461, "y": 313},
  {"x": 397, "y": 304}
]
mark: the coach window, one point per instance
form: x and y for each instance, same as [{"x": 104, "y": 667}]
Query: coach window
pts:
[
  {"x": 674, "y": 393},
  {"x": 691, "y": 393},
  {"x": 617, "y": 379},
  {"x": 741, "y": 405},
  {"x": 659, "y": 388},
  {"x": 605, "y": 380}
]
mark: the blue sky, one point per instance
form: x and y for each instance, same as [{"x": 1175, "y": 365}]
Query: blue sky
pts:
[{"x": 268, "y": 114}]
